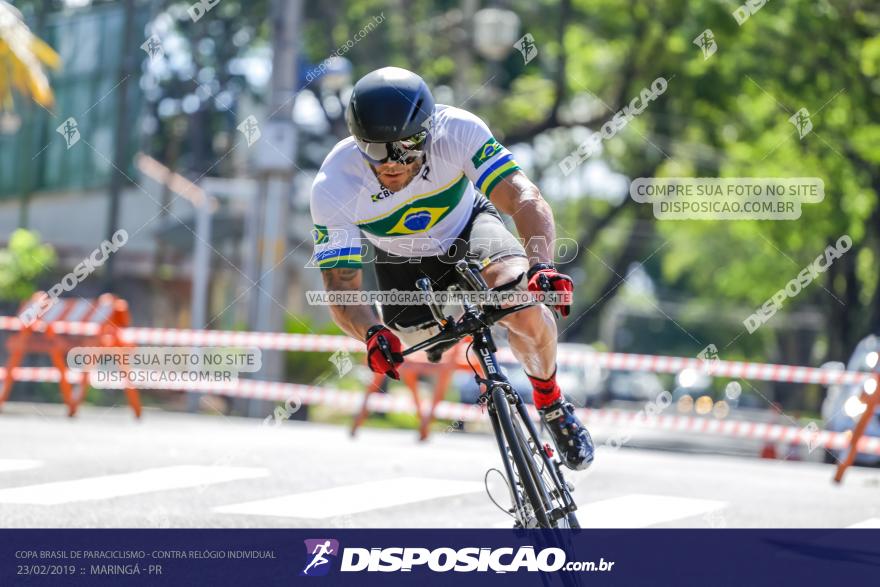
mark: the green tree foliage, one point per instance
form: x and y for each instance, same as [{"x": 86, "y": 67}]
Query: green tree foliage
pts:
[
  {"x": 22, "y": 262},
  {"x": 309, "y": 367},
  {"x": 725, "y": 116},
  {"x": 813, "y": 55}
]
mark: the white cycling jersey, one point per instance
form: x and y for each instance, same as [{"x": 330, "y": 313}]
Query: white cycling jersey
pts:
[{"x": 422, "y": 219}]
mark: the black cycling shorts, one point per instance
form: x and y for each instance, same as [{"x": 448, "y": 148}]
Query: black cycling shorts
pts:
[{"x": 485, "y": 238}]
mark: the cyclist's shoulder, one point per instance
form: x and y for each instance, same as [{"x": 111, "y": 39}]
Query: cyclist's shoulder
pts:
[
  {"x": 343, "y": 157},
  {"x": 453, "y": 120},
  {"x": 342, "y": 171}
]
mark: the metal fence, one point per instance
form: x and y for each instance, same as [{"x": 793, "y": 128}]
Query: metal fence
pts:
[{"x": 90, "y": 43}]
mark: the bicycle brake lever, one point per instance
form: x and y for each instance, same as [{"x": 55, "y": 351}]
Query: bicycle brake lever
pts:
[
  {"x": 424, "y": 284},
  {"x": 544, "y": 282},
  {"x": 470, "y": 276},
  {"x": 546, "y": 286},
  {"x": 386, "y": 349}
]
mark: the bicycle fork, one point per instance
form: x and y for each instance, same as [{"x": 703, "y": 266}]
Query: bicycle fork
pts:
[
  {"x": 552, "y": 467},
  {"x": 515, "y": 494},
  {"x": 485, "y": 348}
]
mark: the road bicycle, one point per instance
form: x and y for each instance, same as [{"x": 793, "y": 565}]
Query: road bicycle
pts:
[{"x": 539, "y": 495}]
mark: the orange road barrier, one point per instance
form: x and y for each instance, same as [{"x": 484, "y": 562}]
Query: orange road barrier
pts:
[
  {"x": 870, "y": 400},
  {"x": 415, "y": 366},
  {"x": 768, "y": 450},
  {"x": 107, "y": 315}
]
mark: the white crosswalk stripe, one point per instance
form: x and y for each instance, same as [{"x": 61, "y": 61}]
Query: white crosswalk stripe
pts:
[
  {"x": 109, "y": 486},
  {"x": 353, "y": 499},
  {"x": 869, "y": 523},
  {"x": 640, "y": 511},
  {"x": 18, "y": 464}
]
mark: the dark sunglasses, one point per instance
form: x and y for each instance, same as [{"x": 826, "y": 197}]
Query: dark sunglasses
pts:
[{"x": 403, "y": 151}]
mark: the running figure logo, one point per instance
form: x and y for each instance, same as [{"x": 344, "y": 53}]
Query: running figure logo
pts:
[
  {"x": 318, "y": 550},
  {"x": 250, "y": 129},
  {"x": 801, "y": 121},
  {"x": 526, "y": 45},
  {"x": 69, "y": 129},
  {"x": 153, "y": 47},
  {"x": 706, "y": 42}
]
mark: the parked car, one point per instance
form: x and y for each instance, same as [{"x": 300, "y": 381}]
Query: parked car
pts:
[
  {"x": 631, "y": 386},
  {"x": 842, "y": 407},
  {"x": 581, "y": 384}
]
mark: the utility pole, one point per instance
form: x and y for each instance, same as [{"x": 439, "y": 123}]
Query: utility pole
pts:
[
  {"x": 120, "y": 150},
  {"x": 463, "y": 53},
  {"x": 274, "y": 162}
]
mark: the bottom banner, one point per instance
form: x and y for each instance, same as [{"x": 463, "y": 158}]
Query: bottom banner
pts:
[{"x": 438, "y": 557}]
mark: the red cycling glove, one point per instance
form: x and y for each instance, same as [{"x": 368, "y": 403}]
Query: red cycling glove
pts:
[
  {"x": 545, "y": 278},
  {"x": 384, "y": 351}
]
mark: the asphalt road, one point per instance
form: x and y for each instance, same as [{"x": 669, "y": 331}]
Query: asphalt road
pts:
[{"x": 104, "y": 469}]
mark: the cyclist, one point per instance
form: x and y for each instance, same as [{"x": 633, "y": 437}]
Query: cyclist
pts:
[{"x": 409, "y": 181}]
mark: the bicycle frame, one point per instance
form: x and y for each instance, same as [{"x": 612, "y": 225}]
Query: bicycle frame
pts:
[
  {"x": 485, "y": 349},
  {"x": 477, "y": 322}
]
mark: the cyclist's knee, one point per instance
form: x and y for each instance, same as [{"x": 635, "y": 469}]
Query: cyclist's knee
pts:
[
  {"x": 535, "y": 322},
  {"x": 504, "y": 270}
]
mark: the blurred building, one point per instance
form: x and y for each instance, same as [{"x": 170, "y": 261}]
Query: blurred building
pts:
[{"x": 56, "y": 171}]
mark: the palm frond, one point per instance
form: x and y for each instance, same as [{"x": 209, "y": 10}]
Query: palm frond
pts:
[{"x": 22, "y": 56}]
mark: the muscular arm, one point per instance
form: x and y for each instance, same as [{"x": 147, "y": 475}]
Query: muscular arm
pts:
[
  {"x": 518, "y": 197},
  {"x": 354, "y": 320}
]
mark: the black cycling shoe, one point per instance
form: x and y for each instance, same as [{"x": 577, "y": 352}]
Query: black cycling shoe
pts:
[{"x": 571, "y": 438}]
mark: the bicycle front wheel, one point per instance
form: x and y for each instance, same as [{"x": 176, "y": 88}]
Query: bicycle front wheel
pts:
[
  {"x": 548, "y": 480},
  {"x": 521, "y": 456}
]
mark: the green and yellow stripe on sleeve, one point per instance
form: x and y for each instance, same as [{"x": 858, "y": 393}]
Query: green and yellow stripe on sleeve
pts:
[
  {"x": 500, "y": 169},
  {"x": 349, "y": 257}
]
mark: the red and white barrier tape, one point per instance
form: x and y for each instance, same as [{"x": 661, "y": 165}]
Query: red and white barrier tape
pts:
[
  {"x": 351, "y": 402},
  {"x": 83, "y": 328},
  {"x": 331, "y": 343},
  {"x": 183, "y": 337},
  {"x": 713, "y": 367}
]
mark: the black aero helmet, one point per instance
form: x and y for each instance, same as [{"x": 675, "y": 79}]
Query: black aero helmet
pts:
[{"x": 389, "y": 114}]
